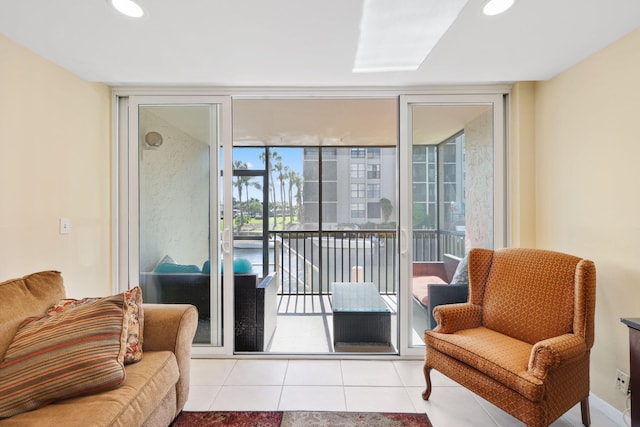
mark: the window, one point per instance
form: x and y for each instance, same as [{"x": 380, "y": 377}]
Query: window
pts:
[
  {"x": 373, "y": 153},
  {"x": 357, "y": 191},
  {"x": 357, "y": 170},
  {"x": 329, "y": 153},
  {"x": 329, "y": 212},
  {"x": 311, "y": 191},
  {"x": 329, "y": 191},
  {"x": 419, "y": 173},
  {"x": 373, "y": 210},
  {"x": 358, "y": 210},
  {"x": 358, "y": 153},
  {"x": 312, "y": 153},
  {"x": 329, "y": 169},
  {"x": 373, "y": 191},
  {"x": 419, "y": 192},
  {"x": 419, "y": 154},
  {"x": 373, "y": 171}
]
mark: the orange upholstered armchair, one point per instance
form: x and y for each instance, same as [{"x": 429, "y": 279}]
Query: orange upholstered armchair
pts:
[{"x": 523, "y": 339}]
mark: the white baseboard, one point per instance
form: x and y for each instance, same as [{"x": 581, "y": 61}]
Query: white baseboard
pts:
[{"x": 609, "y": 411}]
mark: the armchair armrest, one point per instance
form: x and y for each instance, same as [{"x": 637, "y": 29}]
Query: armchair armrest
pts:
[
  {"x": 440, "y": 294},
  {"x": 455, "y": 317},
  {"x": 171, "y": 327},
  {"x": 553, "y": 352}
]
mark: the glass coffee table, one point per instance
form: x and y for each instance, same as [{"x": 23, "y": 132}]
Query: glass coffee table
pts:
[{"x": 360, "y": 315}]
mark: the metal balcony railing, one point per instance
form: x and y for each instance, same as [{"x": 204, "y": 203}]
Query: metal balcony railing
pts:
[
  {"x": 309, "y": 261},
  {"x": 430, "y": 245}
]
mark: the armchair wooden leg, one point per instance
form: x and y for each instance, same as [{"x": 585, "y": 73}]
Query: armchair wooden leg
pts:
[
  {"x": 427, "y": 376},
  {"x": 586, "y": 416}
]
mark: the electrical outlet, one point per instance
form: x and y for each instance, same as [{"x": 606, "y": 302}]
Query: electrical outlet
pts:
[{"x": 622, "y": 381}]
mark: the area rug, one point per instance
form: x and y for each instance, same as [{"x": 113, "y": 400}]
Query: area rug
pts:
[{"x": 300, "y": 419}]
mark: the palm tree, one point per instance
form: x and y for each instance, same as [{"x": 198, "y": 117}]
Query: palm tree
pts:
[
  {"x": 268, "y": 161},
  {"x": 387, "y": 208},
  {"x": 281, "y": 174},
  {"x": 243, "y": 183},
  {"x": 248, "y": 182},
  {"x": 291, "y": 176},
  {"x": 297, "y": 181},
  {"x": 240, "y": 184}
]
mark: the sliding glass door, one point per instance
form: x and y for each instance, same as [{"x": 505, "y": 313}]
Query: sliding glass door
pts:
[
  {"x": 452, "y": 184},
  {"x": 177, "y": 236},
  {"x": 310, "y": 192}
]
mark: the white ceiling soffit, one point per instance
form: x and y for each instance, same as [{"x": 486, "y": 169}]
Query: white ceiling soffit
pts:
[
  {"x": 302, "y": 43},
  {"x": 321, "y": 122},
  {"x": 432, "y": 124},
  {"x": 315, "y": 122}
]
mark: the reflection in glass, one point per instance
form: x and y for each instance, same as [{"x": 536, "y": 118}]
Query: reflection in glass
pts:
[
  {"x": 174, "y": 209},
  {"x": 452, "y": 187}
]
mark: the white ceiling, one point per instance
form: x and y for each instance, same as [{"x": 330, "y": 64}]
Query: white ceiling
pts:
[{"x": 304, "y": 43}]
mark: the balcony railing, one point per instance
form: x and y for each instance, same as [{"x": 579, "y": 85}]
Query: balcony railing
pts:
[
  {"x": 430, "y": 245},
  {"x": 309, "y": 261}
]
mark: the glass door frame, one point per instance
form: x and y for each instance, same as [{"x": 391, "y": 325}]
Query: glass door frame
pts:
[
  {"x": 500, "y": 237},
  {"x": 498, "y": 94},
  {"x": 126, "y": 213}
]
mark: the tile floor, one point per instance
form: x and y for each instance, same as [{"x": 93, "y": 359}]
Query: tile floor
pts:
[{"x": 349, "y": 385}]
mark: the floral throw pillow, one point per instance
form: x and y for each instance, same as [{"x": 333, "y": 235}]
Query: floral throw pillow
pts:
[{"x": 134, "y": 316}]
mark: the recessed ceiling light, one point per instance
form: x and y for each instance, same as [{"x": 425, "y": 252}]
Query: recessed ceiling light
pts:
[
  {"x": 398, "y": 35},
  {"x": 496, "y": 7},
  {"x": 127, "y": 7}
]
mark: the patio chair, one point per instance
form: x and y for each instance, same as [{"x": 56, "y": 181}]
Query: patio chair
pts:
[{"x": 523, "y": 339}]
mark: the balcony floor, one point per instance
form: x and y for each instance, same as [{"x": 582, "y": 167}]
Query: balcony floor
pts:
[{"x": 305, "y": 326}]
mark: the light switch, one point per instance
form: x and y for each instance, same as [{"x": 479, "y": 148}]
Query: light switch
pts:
[{"x": 65, "y": 225}]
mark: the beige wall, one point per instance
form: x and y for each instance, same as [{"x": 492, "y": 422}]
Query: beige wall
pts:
[
  {"x": 586, "y": 148},
  {"x": 521, "y": 162},
  {"x": 55, "y": 138}
]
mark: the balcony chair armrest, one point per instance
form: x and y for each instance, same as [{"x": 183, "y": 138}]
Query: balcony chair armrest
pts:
[
  {"x": 553, "y": 352},
  {"x": 440, "y": 294},
  {"x": 456, "y": 317}
]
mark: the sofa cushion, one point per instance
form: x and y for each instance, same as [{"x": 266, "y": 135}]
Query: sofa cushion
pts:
[
  {"x": 68, "y": 354},
  {"x": 134, "y": 315},
  {"x": 500, "y": 357},
  {"x": 26, "y": 297},
  {"x": 149, "y": 383},
  {"x": 420, "y": 285}
]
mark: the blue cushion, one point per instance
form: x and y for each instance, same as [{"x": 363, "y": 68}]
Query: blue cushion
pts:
[
  {"x": 166, "y": 267},
  {"x": 206, "y": 267},
  {"x": 242, "y": 266}
]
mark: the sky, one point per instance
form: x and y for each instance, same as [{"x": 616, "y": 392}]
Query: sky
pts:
[{"x": 291, "y": 156}]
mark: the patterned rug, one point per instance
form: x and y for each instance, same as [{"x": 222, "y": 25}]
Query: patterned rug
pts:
[{"x": 300, "y": 419}]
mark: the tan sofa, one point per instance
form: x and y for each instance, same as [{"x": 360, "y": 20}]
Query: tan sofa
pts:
[{"x": 155, "y": 389}]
